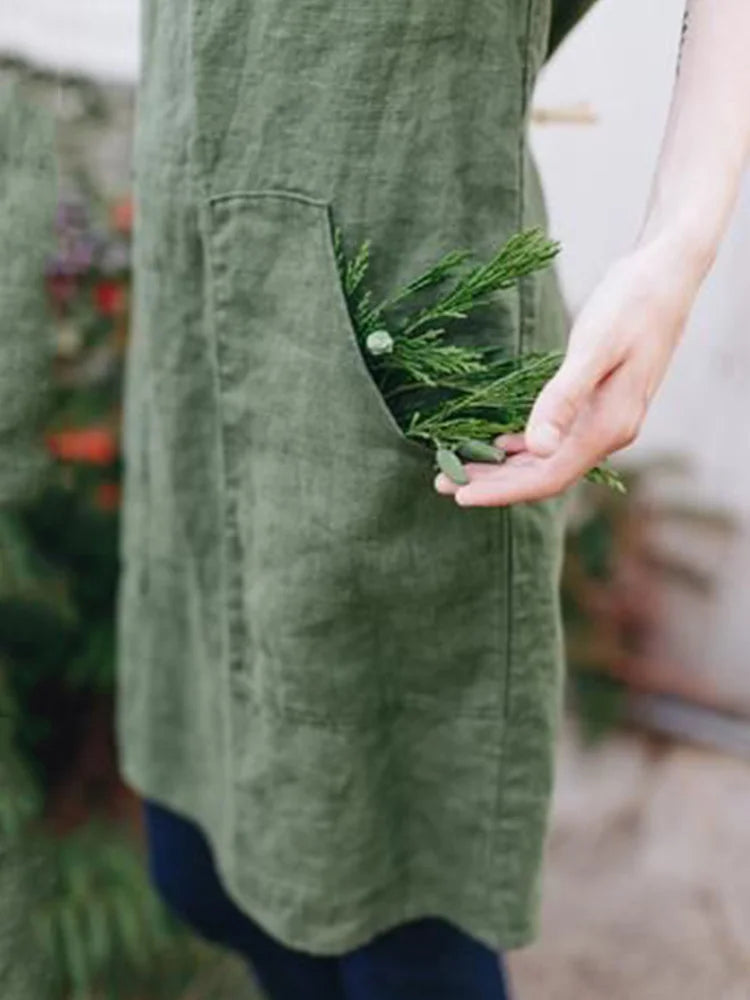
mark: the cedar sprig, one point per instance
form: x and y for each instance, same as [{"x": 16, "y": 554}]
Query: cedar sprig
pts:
[
  {"x": 428, "y": 361},
  {"x": 454, "y": 398},
  {"x": 523, "y": 254},
  {"x": 498, "y": 404},
  {"x": 436, "y": 275}
]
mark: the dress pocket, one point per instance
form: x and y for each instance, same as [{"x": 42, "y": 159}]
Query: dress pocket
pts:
[
  {"x": 316, "y": 470},
  {"x": 279, "y": 244}
]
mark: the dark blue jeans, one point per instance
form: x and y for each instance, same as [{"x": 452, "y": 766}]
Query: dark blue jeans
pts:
[{"x": 425, "y": 960}]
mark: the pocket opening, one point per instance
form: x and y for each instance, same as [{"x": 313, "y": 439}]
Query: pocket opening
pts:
[
  {"x": 333, "y": 289},
  {"x": 343, "y": 308}
]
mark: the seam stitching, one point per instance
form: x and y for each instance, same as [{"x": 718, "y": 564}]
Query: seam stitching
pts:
[
  {"x": 505, "y": 528},
  {"x": 288, "y": 195}
]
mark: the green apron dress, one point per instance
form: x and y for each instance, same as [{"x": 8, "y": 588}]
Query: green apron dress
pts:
[{"x": 351, "y": 684}]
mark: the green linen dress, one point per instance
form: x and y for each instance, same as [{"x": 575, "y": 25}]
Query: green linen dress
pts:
[{"x": 348, "y": 682}]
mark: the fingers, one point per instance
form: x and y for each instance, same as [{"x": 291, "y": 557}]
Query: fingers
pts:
[
  {"x": 526, "y": 477},
  {"x": 517, "y": 476},
  {"x": 511, "y": 444},
  {"x": 559, "y": 403},
  {"x": 608, "y": 421},
  {"x": 474, "y": 470}
]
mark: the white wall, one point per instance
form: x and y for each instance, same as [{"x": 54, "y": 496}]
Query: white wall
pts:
[
  {"x": 621, "y": 60},
  {"x": 97, "y": 37}
]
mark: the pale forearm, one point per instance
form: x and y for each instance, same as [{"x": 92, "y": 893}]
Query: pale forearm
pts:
[{"x": 707, "y": 139}]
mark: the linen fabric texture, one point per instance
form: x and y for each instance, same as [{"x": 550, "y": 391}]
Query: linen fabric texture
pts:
[{"x": 350, "y": 684}]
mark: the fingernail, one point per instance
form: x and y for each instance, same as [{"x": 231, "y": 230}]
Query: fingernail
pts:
[{"x": 544, "y": 439}]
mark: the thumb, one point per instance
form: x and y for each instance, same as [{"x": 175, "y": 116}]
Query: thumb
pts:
[{"x": 558, "y": 405}]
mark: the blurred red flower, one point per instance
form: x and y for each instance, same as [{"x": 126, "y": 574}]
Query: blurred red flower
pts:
[
  {"x": 109, "y": 297},
  {"x": 87, "y": 445}
]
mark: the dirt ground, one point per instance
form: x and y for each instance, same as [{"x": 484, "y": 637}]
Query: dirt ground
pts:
[{"x": 647, "y": 890}]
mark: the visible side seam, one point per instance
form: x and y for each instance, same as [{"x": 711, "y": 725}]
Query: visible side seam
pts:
[
  {"x": 225, "y": 604},
  {"x": 505, "y": 526}
]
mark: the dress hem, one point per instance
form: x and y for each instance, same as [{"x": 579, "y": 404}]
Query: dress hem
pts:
[{"x": 332, "y": 938}]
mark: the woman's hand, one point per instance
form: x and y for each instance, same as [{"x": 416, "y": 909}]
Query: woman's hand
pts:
[
  {"x": 622, "y": 341},
  {"x": 619, "y": 350}
]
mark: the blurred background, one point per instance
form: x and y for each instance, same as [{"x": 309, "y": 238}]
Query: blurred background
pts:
[{"x": 646, "y": 892}]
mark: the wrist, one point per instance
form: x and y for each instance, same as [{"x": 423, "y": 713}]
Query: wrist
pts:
[
  {"x": 686, "y": 218},
  {"x": 688, "y": 245}
]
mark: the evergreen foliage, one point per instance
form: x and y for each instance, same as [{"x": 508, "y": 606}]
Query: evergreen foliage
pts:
[
  {"x": 453, "y": 397},
  {"x": 94, "y": 922}
]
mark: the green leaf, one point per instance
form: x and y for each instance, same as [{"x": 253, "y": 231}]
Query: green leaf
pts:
[{"x": 456, "y": 396}]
